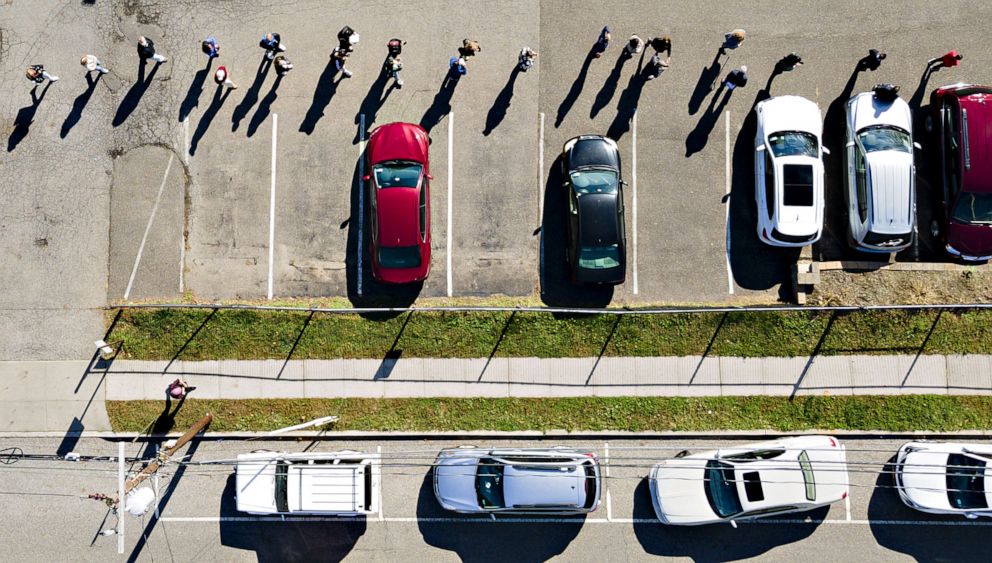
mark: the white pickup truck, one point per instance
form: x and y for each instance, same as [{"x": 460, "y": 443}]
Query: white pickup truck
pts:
[{"x": 332, "y": 483}]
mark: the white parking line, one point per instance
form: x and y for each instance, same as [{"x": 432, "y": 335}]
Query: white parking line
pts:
[
  {"x": 186, "y": 140},
  {"x": 272, "y": 202},
  {"x": 378, "y": 450},
  {"x": 148, "y": 227},
  {"x": 361, "y": 197},
  {"x": 606, "y": 470},
  {"x": 540, "y": 172},
  {"x": 633, "y": 184},
  {"x": 847, "y": 507},
  {"x": 451, "y": 129},
  {"x": 120, "y": 492},
  {"x": 726, "y": 203},
  {"x": 182, "y": 260}
]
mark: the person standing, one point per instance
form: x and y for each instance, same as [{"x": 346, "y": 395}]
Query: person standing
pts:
[
  {"x": 146, "y": 50},
  {"x": 872, "y": 61},
  {"x": 394, "y": 63},
  {"x": 347, "y": 39},
  {"x": 525, "y": 61},
  {"x": 37, "y": 74},
  {"x": 656, "y": 66},
  {"x": 634, "y": 45},
  {"x": 340, "y": 57},
  {"x": 272, "y": 43},
  {"x": 737, "y": 78},
  {"x": 732, "y": 40},
  {"x": 221, "y": 77},
  {"x": 789, "y": 62},
  {"x": 602, "y": 42},
  {"x": 283, "y": 65},
  {"x": 210, "y": 47},
  {"x": 947, "y": 60},
  {"x": 93, "y": 64}
]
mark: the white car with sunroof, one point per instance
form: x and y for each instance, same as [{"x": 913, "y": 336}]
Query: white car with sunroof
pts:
[{"x": 788, "y": 171}]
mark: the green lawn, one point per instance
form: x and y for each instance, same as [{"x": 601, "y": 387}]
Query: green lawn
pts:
[
  {"x": 889, "y": 413},
  {"x": 200, "y": 334}
]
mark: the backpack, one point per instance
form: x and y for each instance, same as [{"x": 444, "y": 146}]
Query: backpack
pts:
[{"x": 345, "y": 33}]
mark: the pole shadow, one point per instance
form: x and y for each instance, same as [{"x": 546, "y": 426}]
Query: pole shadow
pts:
[
  {"x": 814, "y": 354},
  {"x": 502, "y": 103},
  {"x": 192, "y": 336},
  {"x": 289, "y": 356},
  {"x": 704, "y": 85},
  {"x": 392, "y": 355},
  {"x": 322, "y": 94},
  {"x": 192, "y": 98},
  {"x": 499, "y": 340},
  {"x": 79, "y": 104},
  {"x": 25, "y": 116},
  {"x": 709, "y": 346},
  {"x": 208, "y": 117},
  {"x": 133, "y": 97},
  {"x": 441, "y": 105},
  {"x": 371, "y": 104},
  {"x": 627, "y": 106},
  {"x": 609, "y": 88},
  {"x": 606, "y": 343},
  {"x": 251, "y": 95},
  {"x": 264, "y": 107},
  {"x": 574, "y": 90}
]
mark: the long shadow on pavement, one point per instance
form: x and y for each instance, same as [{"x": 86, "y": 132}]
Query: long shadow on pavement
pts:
[
  {"x": 574, "y": 91},
  {"x": 25, "y": 117},
  {"x": 371, "y": 103},
  {"x": 609, "y": 88},
  {"x": 322, "y": 94},
  {"x": 192, "y": 99},
  {"x": 220, "y": 96},
  {"x": 440, "y": 105},
  {"x": 705, "y": 84},
  {"x": 502, "y": 103},
  {"x": 627, "y": 105},
  {"x": 133, "y": 97},
  {"x": 264, "y": 107},
  {"x": 79, "y": 104},
  {"x": 251, "y": 95}
]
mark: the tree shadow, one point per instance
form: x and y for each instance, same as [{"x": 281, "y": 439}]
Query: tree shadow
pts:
[
  {"x": 715, "y": 542},
  {"x": 287, "y": 540},
  {"x": 322, "y": 94},
  {"x": 133, "y": 97},
  {"x": 441, "y": 105},
  {"x": 502, "y": 103},
  {"x": 25, "y": 116},
  {"x": 373, "y": 101},
  {"x": 264, "y": 107},
  {"x": 79, "y": 104},
  {"x": 704, "y": 85},
  {"x": 609, "y": 88},
  {"x": 251, "y": 95},
  {"x": 557, "y": 289},
  {"x": 220, "y": 96},
  {"x": 192, "y": 98},
  {"x": 574, "y": 90},
  {"x": 479, "y": 538},
  {"x": 627, "y": 105}
]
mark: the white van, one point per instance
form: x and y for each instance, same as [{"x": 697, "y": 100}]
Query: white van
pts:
[{"x": 330, "y": 483}]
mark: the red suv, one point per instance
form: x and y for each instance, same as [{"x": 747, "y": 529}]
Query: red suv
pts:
[
  {"x": 963, "y": 120},
  {"x": 399, "y": 193}
]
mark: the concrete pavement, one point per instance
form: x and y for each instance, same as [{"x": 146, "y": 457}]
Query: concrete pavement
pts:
[{"x": 74, "y": 392}]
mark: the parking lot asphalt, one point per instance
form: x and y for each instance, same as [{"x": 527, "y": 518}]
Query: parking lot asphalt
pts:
[
  {"x": 197, "y": 516},
  {"x": 272, "y": 169}
]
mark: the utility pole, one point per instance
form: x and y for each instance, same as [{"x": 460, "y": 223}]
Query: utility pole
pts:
[{"x": 166, "y": 454}]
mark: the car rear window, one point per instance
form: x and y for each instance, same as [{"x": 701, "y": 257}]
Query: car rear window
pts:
[
  {"x": 797, "y": 180},
  {"x": 489, "y": 483},
  {"x": 399, "y": 256},
  {"x": 966, "y": 482}
]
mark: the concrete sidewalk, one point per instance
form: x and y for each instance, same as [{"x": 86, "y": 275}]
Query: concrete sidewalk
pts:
[{"x": 54, "y": 396}]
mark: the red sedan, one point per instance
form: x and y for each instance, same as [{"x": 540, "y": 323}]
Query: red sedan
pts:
[{"x": 399, "y": 193}]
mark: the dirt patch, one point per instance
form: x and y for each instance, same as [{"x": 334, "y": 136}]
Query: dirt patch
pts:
[{"x": 896, "y": 287}]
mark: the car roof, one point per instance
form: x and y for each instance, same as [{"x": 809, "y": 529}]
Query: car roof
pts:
[
  {"x": 976, "y": 125},
  {"x": 315, "y": 482},
  {"x": 398, "y": 216},
  {"x": 891, "y": 182},
  {"x": 598, "y": 220},
  {"x": 549, "y": 484}
]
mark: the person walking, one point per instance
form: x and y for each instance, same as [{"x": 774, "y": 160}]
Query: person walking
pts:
[
  {"x": 732, "y": 40},
  {"x": 737, "y": 78},
  {"x": 210, "y": 47},
  {"x": 340, "y": 57},
  {"x": 602, "y": 42},
  {"x": 37, "y": 74},
  {"x": 656, "y": 66},
  {"x": 634, "y": 45},
  {"x": 272, "y": 43},
  {"x": 178, "y": 389},
  {"x": 93, "y": 64},
  {"x": 394, "y": 63},
  {"x": 146, "y": 50},
  {"x": 470, "y": 48},
  {"x": 525, "y": 61},
  {"x": 872, "y": 61},
  {"x": 457, "y": 68},
  {"x": 347, "y": 39},
  {"x": 283, "y": 65},
  {"x": 789, "y": 62},
  {"x": 661, "y": 44},
  {"x": 221, "y": 77},
  {"x": 947, "y": 60}
]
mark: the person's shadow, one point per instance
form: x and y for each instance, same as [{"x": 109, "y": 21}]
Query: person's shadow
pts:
[
  {"x": 220, "y": 96},
  {"x": 574, "y": 90},
  {"x": 192, "y": 98},
  {"x": 322, "y": 94},
  {"x": 264, "y": 107},
  {"x": 441, "y": 105},
  {"x": 609, "y": 88},
  {"x": 502, "y": 103},
  {"x": 25, "y": 116},
  {"x": 130, "y": 101},
  {"x": 371, "y": 104},
  {"x": 627, "y": 106},
  {"x": 700, "y": 135},
  {"x": 166, "y": 420},
  {"x": 704, "y": 85},
  {"x": 251, "y": 95},
  {"x": 79, "y": 104}
]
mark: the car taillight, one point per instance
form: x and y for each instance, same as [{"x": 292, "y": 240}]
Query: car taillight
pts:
[
  {"x": 843, "y": 496},
  {"x": 833, "y": 443}
]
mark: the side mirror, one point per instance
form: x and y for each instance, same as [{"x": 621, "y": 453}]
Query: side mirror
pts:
[
  {"x": 917, "y": 146},
  {"x": 759, "y": 148},
  {"x": 366, "y": 178},
  {"x": 825, "y": 150},
  {"x": 429, "y": 177},
  {"x": 733, "y": 524},
  {"x": 849, "y": 144},
  {"x": 970, "y": 515}
]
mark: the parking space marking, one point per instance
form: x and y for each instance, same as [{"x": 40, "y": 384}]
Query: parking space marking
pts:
[
  {"x": 606, "y": 470},
  {"x": 451, "y": 129},
  {"x": 726, "y": 201},
  {"x": 361, "y": 197},
  {"x": 378, "y": 450},
  {"x": 540, "y": 172},
  {"x": 847, "y": 507},
  {"x": 633, "y": 183},
  {"x": 148, "y": 227},
  {"x": 272, "y": 201}
]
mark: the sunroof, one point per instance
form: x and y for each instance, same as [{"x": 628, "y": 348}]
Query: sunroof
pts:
[
  {"x": 797, "y": 182},
  {"x": 752, "y": 487}
]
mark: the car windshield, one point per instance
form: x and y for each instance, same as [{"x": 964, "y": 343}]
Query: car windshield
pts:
[
  {"x": 399, "y": 256},
  {"x": 721, "y": 491},
  {"x": 973, "y": 208},
  {"x": 397, "y": 174},
  {"x": 599, "y": 257},
  {"x": 966, "y": 482},
  {"x": 489, "y": 483},
  {"x": 885, "y": 138},
  {"x": 594, "y": 182},
  {"x": 793, "y": 143}
]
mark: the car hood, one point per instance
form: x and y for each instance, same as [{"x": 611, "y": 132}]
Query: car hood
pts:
[
  {"x": 864, "y": 110},
  {"x": 892, "y": 193},
  {"x": 398, "y": 141},
  {"x": 255, "y": 486},
  {"x": 924, "y": 479},
  {"x": 971, "y": 240},
  {"x": 681, "y": 493},
  {"x": 790, "y": 113},
  {"x": 454, "y": 483},
  {"x": 398, "y": 210}
]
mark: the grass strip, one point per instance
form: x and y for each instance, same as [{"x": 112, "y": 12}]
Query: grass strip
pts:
[
  {"x": 204, "y": 334},
  {"x": 884, "y": 413}
]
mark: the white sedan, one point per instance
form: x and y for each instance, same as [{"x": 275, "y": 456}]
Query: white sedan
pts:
[
  {"x": 750, "y": 481},
  {"x": 945, "y": 477},
  {"x": 788, "y": 171}
]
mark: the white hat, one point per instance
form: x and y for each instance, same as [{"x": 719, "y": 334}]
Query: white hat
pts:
[{"x": 221, "y": 74}]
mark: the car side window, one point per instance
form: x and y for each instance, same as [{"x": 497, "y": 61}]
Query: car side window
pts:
[
  {"x": 769, "y": 185},
  {"x": 861, "y": 181},
  {"x": 423, "y": 210},
  {"x": 952, "y": 152},
  {"x": 573, "y": 202}
]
